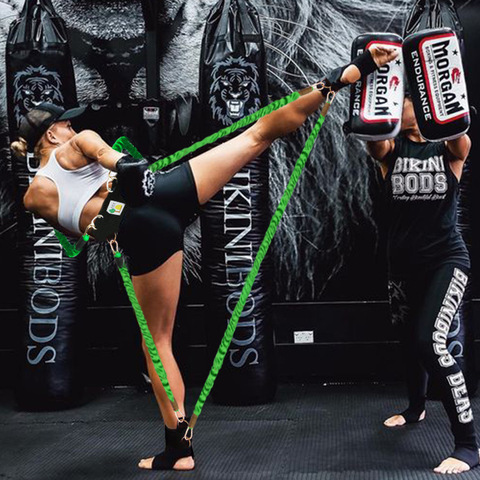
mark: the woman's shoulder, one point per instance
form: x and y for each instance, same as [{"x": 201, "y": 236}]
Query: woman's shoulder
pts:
[
  {"x": 70, "y": 155},
  {"x": 77, "y": 141},
  {"x": 40, "y": 189}
]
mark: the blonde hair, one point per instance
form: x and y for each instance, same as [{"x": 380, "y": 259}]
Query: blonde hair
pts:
[{"x": 20, "y": 148}]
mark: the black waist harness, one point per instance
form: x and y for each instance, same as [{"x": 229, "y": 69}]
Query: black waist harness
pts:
[{"x": 105, "y": 225}]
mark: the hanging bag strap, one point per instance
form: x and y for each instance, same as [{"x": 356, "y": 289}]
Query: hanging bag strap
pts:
[
  {"x": 250, "y": 31},
  {"x": 222, "y": 28}
]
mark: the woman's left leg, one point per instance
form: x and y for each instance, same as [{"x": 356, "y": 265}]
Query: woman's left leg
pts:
[
  {"x": 158, "y": 293},
  {"x": 404, "y": 301},
  {"x": 442, "y": 298}
]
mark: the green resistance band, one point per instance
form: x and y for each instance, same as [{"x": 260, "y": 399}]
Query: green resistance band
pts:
[
  {"x": 247, "y": 287},
  {"x": 124, "y": 143}
]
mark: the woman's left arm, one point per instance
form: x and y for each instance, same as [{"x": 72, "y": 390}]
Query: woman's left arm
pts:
[
  {"x": 92, "y": 145},
  {"x": 459, "y": 148}
]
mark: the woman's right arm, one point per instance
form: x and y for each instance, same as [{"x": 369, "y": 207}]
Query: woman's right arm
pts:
[
  {"x": 91, "y": 144},
  {"x": 379, "y": 150}
]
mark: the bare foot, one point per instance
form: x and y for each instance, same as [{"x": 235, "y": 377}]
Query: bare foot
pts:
[
  {"x": 452, "y": 465},
  {"x": 399, "y": 420},
  {"x": 186, "y": 463}
]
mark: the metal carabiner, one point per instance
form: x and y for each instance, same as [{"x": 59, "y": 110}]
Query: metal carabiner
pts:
[
  {"x": 91, "y": 225},
  {"x": 114, "y": 244},
  {"x": 180, "y": 416},
  {"x": 316, "y": 85},
  {"x": 188, "y": 437},
  {"x": 111, "y": 177},
  {"x": 330, "y": 96},
  {"x": 328, "y": 101}
]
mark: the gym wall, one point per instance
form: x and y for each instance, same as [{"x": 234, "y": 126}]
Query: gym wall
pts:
[{"x": 328, "y": 255}]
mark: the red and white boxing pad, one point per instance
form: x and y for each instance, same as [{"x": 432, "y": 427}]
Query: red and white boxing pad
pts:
[
  {"x": 435, "y": 73},
  {"x": 376, "y": 102}
]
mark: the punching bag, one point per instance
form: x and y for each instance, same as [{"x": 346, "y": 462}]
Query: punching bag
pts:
[
  {"x": 429, "y": 14},
  {"x": 151, "y": 109},
  {"x": 39, "y": 68},
  {"x": 233, "y": 85}
]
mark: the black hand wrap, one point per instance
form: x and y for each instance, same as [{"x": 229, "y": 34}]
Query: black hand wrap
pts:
[
  {"x": 364, "y": 62},
  {"x": 136, "y": 181}
]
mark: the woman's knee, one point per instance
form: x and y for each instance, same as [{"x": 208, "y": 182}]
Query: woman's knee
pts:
[
  {"x": 162, "y": 342},
  {"x": 434, "y": 351},
  {"x": 424, "y": 348}
]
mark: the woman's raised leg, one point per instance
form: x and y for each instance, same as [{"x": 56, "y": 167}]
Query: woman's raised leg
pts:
[{"x": 214, "y": 168}]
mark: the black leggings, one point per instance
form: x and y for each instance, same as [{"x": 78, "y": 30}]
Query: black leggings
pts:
[
  {"x": 153, "y": 232},
  {"x": 423, "y": 306}
]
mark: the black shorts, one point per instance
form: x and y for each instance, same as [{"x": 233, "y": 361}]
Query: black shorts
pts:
[{"x": 150, "y": 234}]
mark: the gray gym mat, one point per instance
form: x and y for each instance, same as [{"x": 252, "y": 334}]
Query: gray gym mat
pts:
[{"x": 310, "y": 432}]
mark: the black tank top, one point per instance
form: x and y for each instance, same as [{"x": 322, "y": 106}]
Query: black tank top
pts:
[{"x": 422, "y": 196}]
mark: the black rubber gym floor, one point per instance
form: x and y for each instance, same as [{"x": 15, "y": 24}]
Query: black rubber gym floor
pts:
[{"x": 310, "y": 432}]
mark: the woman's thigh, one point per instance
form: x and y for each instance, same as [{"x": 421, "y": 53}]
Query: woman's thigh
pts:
[
  {"x": 158, "y": 292},
  {"x": 440, "y": 300}
]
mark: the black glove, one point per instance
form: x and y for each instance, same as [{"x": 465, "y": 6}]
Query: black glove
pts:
[
  {"x": 364, "y": 62},
  {"x": 136, "y": 181}
]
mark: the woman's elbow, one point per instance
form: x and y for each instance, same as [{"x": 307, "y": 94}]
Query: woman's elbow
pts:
[{"x": 28, "y": 202}]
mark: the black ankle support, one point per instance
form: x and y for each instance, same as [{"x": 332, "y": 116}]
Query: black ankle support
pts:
[
  {"x": 175, "y": 448},
  {"x": 411, "y": 416},
  {"x": 468, "y": 455},
  {"x": 364, "y": 62}
]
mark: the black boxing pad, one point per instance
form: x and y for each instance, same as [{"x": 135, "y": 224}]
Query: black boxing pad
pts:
[
  {"x": 436, "y": 79},
  {"x": 376, "y": 101},
  {"x": 136, "y": 182}
]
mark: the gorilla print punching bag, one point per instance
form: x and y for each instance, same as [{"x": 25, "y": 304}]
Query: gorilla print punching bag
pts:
[
  {"x": 431, "y": 14},
  {"x": 39, "y": 68},
  {"x": 233, "y": 85}
]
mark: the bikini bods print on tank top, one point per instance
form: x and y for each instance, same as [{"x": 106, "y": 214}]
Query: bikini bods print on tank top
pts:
[{"x": 422, "y": 196}]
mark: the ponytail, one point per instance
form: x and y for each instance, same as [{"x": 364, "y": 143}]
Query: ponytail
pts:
[{"x": 19, "y": 147}]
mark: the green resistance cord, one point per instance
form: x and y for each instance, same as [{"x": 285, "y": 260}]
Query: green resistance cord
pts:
[{"x": 124, "y": 143}]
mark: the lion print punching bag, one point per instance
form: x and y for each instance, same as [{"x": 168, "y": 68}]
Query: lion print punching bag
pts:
[
  {"x": 427, "y": 14},
  {"x": 233, "y": 85},
  {"x": 39, "y": 68}
]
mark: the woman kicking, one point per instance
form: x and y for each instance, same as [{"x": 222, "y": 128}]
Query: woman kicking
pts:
[
  {"x": 70, "y": 187},
  {"x": 428, "y": 273}
]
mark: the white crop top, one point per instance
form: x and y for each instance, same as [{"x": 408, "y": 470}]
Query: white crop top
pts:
[{"x": 75, "y": 188}]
